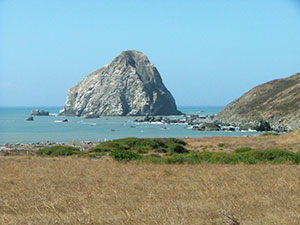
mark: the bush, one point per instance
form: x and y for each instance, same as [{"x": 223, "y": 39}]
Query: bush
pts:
[
  {"x": 176, "y": 159},
  {"x": 161, "y": 150},
  {"x": 243, "y": 149},
  {"x": 142, "y": 145},
  {"x": 124, "y": 156},
  {"x": 134, "y": 149},
  {"x": 151, "y": 143},
  {"x": 247, "y": 157},
  {"x": 143, "y": 150},
  {"x": 270, "y": 134},
  {"x": 110, "y": 146},
  {"x": 273, "y": 155},
  {"x": 176, "y": 148},
  {"x": 221, "y": 145},
  {"x": 58, "y": 150},
  {"x": 178, "y": 141},
  {"x": 296, "y": 159},
  {"x": 155, "y": 155}
]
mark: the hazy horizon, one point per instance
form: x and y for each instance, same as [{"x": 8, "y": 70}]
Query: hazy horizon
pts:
[{"x": 208, "y": 53}]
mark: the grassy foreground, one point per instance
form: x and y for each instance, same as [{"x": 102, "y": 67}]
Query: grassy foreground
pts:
[
  {"x": 164, "y": 181},
  {"x": 72, "y": 190}
]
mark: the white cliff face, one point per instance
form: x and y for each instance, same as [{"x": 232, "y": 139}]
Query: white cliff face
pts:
[{"x": 129, "y": 85}]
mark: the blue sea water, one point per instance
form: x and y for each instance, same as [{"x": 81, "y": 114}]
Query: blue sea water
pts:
[{"x": 15, "y": 129}]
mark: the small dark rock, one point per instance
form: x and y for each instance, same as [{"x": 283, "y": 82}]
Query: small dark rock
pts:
[
  {"x": 30, "y": 118},
  {"x": 263, "y": 126},
  {"x": 207, "y": 127}
]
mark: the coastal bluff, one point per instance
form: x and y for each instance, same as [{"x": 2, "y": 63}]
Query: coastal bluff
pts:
[
  {"x": 277, "y": 102},
  {"x": 129, "y": 86}
]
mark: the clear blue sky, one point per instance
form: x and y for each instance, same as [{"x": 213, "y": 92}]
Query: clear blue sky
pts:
[{"x": 208, "y": 52}]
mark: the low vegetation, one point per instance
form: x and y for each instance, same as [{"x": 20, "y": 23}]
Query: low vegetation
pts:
[
  {"x": 142, "y": 145},
  {"x": 270, "y": 134},
  {"x": 136, "y": 149},
  {"x": 243, "y": 155},
  {"x": 58, "y": 150},
  {"x": 171, "y": 150}
]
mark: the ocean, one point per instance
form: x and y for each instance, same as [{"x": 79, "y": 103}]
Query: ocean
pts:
[{"x": 15, "y": 129}]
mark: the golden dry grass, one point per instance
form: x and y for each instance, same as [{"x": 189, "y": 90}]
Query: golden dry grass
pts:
[
  {"x": 289, "y": 141},
  {"x": 83, "y": 191}
]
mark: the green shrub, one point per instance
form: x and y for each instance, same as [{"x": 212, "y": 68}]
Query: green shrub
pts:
[
  {"x": 58, "y": 150},
  {"x": 124, "y": 156},
  {"x": 270, "y": 134},
  {"x": 296, "y": 159},
  {"x": 175, "y": 159},
  {"x": 110, "y": 146},
  {"x": 131, "y": 141},
  {"x": 221, "y": 145},
  {"x": 155, "y": 155},
  {"x": 178, "y": 141},
  {"x": 142, "y": 145},
  {"x": 243, "y": 149},
  {"x": 161, "y": 150},
  {"x": 273, "y": 155},
  {"x": 173, "y": 152},
  {"x": 176, "y": 148},
  {"x": 247, "y": 157},
  {"x": 152, "y": 143},
  {"x": 142, "y": 150}
]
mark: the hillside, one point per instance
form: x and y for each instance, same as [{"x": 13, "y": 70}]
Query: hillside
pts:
[{"x": 277, "y": 101}]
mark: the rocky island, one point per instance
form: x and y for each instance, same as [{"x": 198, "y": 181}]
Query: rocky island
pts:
[
  {"x": 275, "y": 104},
  {"x": 37, "y": 112},
  {"x": 129, "y": 86}
]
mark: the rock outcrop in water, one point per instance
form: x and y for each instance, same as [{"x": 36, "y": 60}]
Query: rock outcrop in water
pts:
[
  {"x": 37, "y": 112},
  {"x": 129, "y": 86},
  {"x": 277, "y": 102},
  {"x": 30, "y": 118}
]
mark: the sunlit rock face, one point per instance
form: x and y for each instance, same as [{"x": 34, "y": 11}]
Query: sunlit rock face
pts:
[{"x": 129, "y": 86}]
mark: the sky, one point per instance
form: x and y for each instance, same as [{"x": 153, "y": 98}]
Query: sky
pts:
[{"x": 208, "y": 52}]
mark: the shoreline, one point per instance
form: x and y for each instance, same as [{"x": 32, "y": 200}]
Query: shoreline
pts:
[{"x": 285, "y": 141}]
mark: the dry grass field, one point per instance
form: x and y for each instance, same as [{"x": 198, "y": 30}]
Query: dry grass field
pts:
[
  {"x": 71, "y": 190},
  {"x": 289, "y": 141}
]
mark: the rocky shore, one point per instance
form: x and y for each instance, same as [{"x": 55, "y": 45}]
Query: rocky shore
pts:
[
  {"x": 37, "y": 112},
  {"x": 209, "y": 123},
  {"x": 32, "y": 148}
]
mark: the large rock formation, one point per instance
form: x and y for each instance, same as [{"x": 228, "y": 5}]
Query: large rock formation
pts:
[
  {"x": 129, "y": 86},
  {"x": 277, "y": 101}
]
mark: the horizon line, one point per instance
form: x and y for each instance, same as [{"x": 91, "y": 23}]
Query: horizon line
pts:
[{"x": 53, "y": 106}]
